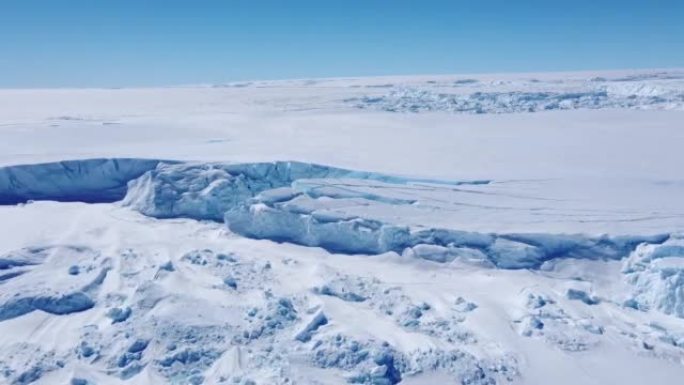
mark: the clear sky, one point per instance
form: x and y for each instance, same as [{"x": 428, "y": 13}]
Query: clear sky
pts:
[{"x": 55, "y": 43}]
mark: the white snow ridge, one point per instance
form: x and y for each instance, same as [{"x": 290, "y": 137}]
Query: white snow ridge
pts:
[{"x": 543, "y": 246}]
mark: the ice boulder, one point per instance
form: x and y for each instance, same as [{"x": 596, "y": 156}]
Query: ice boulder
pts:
[{"x": 319, "y": 319}]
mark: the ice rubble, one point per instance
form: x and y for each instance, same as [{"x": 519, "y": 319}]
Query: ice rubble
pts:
[{"x": 91, "y": 180}]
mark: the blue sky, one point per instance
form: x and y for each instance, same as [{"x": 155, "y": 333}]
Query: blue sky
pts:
[{"x": 53, "y": 43}]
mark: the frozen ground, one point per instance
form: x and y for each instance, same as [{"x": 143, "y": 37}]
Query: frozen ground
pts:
[{"x": 499, "y": 229}]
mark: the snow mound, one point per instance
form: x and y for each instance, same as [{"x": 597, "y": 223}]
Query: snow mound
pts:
[
  {"x": 656, "y": 272},
  {"x": 92, "y": 180}
]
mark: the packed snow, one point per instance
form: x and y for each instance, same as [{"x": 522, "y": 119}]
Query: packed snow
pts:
[{"x": 498, "y": 229}]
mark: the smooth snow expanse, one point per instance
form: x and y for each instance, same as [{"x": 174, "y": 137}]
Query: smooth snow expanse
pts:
[{"x": 499, "y": 229}]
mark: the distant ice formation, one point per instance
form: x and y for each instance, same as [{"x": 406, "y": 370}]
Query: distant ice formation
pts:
[{"x": 529, "y": 97}]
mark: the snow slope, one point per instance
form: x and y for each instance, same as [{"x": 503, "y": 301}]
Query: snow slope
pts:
[{"x": 370, "y": 231}]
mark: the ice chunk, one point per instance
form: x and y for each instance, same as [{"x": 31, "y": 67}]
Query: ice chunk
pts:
[
  {"x": 656, "y": 273},
  {"x": 39, "y": 288},
  {"x": 318, "y": 320},
  {"x": 119, "y": 314},
  {"x": 230, "y": 282},
  {"x": 580, "y": 295},
  {"x": 340, "y": 292},
  {"x": 66, "y": 304},
  {"x": 138, "y": 346},
  {"x": 432, "y": 253}
]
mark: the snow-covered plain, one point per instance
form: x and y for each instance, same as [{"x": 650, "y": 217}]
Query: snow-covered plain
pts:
[{"x": 495, "y": 229}]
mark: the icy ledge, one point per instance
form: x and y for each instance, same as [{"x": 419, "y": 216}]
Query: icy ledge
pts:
[
  {"x": 276, "y": 201},
  {"x": 292, "y": 216}
]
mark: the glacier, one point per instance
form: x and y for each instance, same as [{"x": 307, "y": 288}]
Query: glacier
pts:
[{"x": 515, "y": 229}]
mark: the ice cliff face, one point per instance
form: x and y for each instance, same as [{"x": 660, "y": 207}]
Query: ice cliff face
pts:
[{"x": 93, "y": 180}]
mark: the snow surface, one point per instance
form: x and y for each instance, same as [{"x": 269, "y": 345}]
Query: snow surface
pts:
[{"x": 370, "y": 231}]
